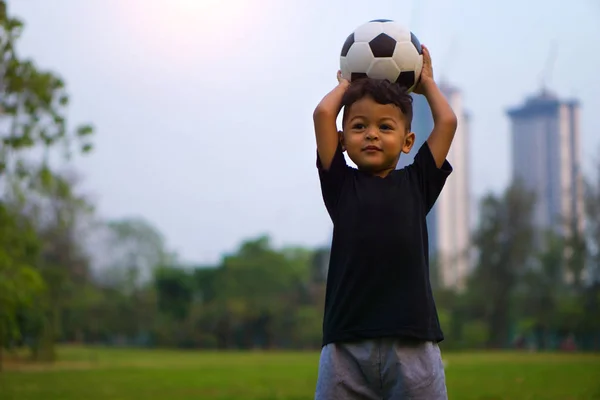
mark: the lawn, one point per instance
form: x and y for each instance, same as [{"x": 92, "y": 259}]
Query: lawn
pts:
[{"x": 89, "y": 374}]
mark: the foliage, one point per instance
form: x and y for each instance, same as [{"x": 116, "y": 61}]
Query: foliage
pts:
[
  {"x": 37, "y": 214},
  {"x": 263, "y": 297},
  {"x": 504, "y": 241},
  {"x": 20, "y": 282},
  {"x": 32, "y": 104}
]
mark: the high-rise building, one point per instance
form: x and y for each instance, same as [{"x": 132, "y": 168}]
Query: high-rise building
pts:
[
  {"x": 449, "y": 222},
  {"x": 546, "y": 158}
]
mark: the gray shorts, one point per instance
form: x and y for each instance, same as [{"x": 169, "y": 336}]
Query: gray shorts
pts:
[{"x": 389, "y": 369}]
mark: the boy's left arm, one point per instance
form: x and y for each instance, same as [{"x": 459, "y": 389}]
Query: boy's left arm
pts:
[{"x": 444, "y": 119}]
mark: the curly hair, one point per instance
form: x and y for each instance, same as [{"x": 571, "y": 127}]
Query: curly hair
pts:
[{"x": 381, "y": 91}]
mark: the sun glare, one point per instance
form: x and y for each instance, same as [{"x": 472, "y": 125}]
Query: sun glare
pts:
[
  {"x": 165, "y": 27},
  {"x": 194, "y": 5}
]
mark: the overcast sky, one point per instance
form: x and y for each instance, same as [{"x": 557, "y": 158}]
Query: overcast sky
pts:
[{"x": 203, "y": 108}]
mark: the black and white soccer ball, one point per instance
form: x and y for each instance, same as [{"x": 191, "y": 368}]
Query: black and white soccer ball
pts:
[{"x": 383, "y": 49}]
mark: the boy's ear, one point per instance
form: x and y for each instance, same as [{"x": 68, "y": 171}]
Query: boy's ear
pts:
[
  {"x": 341, "y": 136},
  {"x": 409, "y": 141}
]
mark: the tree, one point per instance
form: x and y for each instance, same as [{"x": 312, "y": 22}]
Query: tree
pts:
[
  {"x": 539, "y": 290},
  {"x": 20, "y": 282},
  {"x": 258, "y": 290},
  {"x": 505, "y": 246},
  {"x": 204, "y": 279},
  {"x": 592, "y": 208},
  {"x": 174, "y": 291},
  {"x": 320, "y": 265},
  {"x": 32, "y": 119},
  {"x": 591, "y": 294},
  {"x": 128, "y": 251},
  {"x": 32, "y": 105},
  {"x": 61, "y": 217}
]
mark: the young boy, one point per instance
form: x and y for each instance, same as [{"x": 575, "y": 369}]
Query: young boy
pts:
[{"x": 380, "y": 329}]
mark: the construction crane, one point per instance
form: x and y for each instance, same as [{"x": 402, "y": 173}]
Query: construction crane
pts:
[
  {"x": 549, "y": 67},
  {"x": 450, "y": 55}
]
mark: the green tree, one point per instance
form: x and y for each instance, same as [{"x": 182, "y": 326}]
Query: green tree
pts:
[
  {"x": 20, "y": 282},
  {"x": 259, "y": 288},
  {"x": 127, "y": 253},
  {"x": 591, "y": 294},
  {"x": 592, "y": 208},
  {"x": 540, "y": 289},
  {"x": 130, "y": 250},
  {"x": 204, "y": 279},
  {"x": 505, "y": 246},
  {"x": 174, "y": 291},
  {"x": 64, "y": 262},
  {"x": 320, "y": 265},
  {"x": 33, "y": 106}
]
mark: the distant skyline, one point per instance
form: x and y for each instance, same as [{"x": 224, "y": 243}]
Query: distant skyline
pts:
[
  {"x": 203, "y": 109},
  {"x": 546, "y": 149}
]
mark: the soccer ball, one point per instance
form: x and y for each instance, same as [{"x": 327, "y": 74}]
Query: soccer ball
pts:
[{"x": 383, "y": 49}]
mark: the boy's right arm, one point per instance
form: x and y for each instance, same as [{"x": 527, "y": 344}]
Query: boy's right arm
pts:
[{"x": 324, "y": 117}]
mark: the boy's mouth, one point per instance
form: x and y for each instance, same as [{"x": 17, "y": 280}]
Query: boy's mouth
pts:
[{"x": 371, "y": 148}]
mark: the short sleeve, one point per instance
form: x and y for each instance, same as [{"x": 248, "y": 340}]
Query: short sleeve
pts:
[
  {"x": 332, "y": 180},
  {"x": 428, "y": 177}
]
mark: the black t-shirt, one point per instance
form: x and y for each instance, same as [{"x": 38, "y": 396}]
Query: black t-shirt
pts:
[{"x": 378, "y": 279}]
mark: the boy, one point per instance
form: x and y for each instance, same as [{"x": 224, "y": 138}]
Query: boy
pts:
[{"x": 380, "y": 329}]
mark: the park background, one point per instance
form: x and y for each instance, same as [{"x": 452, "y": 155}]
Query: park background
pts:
[{"x": 162, "y": 232}]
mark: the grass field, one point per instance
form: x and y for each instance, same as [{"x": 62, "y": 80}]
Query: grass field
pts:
[{"x": 89, "y": 374}]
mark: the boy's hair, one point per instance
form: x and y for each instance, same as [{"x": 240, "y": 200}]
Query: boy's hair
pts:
[{"x": 381, "y": 91}]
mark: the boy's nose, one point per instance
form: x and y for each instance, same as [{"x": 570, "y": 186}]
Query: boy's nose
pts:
[{"x": 372, "y": 133}]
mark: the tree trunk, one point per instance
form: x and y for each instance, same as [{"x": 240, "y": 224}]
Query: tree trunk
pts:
[
  {"x": 44, "y": 349},
  {"x": 498, "y": 323}
]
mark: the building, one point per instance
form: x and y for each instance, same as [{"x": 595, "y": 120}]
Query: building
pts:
[
  {"x": 546, "y": 159},
  {"x": 449, "y": 222}
]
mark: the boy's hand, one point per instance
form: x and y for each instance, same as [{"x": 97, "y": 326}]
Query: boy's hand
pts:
[
  {"x": 444, "y": 119},
  {"x": 426, "y": 78},
  {"x": 341, "y": 79}
]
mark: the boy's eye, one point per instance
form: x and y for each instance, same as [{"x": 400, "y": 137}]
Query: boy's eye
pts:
[
  {"x": 385, "y": 127},
  {"x": 358, "y": 126}
]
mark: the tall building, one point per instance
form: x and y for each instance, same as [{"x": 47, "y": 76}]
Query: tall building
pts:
[
  {"x": 546, "y": 158},
  {"x": 449, "y": 222}
]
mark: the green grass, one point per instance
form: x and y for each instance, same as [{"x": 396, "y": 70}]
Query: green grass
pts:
[{"x": 89, "y": 374}]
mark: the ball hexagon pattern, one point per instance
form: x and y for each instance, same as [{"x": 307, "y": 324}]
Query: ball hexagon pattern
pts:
[{"x": 382, "y": 49}]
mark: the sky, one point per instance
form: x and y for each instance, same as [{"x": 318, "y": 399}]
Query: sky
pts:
[{"x": 203, "y": 108}]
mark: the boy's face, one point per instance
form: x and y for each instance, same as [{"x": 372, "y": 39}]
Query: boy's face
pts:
[{"x": 375, "y": 135}]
